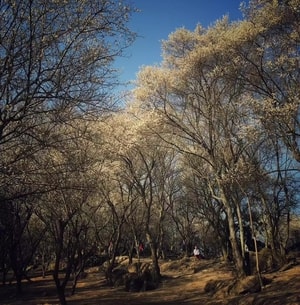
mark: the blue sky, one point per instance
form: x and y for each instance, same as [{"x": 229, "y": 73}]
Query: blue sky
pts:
[{"x": 159, "y": 18}]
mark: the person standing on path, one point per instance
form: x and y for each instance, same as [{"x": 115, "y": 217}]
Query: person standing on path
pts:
[{"x": 196, "y": 252}]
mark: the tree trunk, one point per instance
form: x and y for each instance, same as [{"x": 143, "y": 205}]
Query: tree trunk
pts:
[
  {"x": 236, "y": 252},
  {"x": 19, "y": 283},
  {"x": 77, "y": 272},
  {"x": 60, "y": 288},
  {"x": 156, "y": 270},
  {"x": 4, "y": 273},
  {"x": 130, "y": 254},
  {"x": 270, "y": 224},
  {"x": 241, "y": 229},
  {"x": 161, "y": 248},
  {"x": 61, "y": 295},
  {"x": 225, "y": 252},
  {"x": 61, "y": 284},
  {"x": 45, "y": 265},
  {"x": 113, "y": 258},
  {"x": 255, "y": 243}
]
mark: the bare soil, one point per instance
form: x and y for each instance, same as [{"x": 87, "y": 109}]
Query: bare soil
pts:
[{"x": 183, "y": 282}]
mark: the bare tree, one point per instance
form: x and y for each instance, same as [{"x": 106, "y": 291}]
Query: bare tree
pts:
[
  {"x": 269, "y": 68},
  {"x": 203, "y": 116},
  {"x": 55, "y": 67},
  {"x": 209, "y": 92},
  {"x": 71, "y": 172}
]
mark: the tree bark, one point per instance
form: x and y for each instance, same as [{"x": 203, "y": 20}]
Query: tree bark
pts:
[
  {"x": 236, "y": 251},
  {"x": 156, "y": 270},
  {"x": 61, "y": 294}
]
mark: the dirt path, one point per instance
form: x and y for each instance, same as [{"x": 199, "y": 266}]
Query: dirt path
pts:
[{"x": 183, "y": 283}]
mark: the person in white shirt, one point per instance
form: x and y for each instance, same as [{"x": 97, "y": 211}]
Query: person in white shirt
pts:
[{"x": 196, "y": 252}]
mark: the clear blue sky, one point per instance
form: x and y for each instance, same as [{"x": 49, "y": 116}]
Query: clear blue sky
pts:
[{"x": 159, "y": 18}]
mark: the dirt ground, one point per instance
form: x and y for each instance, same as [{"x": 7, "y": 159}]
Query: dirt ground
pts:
[{"x": 183, "y": 283}]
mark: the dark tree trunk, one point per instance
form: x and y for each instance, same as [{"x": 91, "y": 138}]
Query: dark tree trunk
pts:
[
  {"x": 156, "y": 270},
  {"x": 61, "y": 283},
  {"x": 61, "y": 295},
  {"x": 130, "y": 254},
  {"x": 236, "y": 252},
  {"x": 113, "y": 258},
  {"x": 19, "y": 287},
  {"x": 4, "y": 273}
]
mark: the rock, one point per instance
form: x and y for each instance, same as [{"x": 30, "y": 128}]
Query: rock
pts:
[
  {"x": 133, "y": 283},
  {"x": 118, "y": 275},
  {"x": 249, "y": 284},
  {"x": 213, "y": 286},
  {"x": 132, "y": 268},
  {"x": 266, "y": 261}
]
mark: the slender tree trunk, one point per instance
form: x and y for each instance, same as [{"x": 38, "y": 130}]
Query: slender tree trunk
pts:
[
  {"x": 78, "y": 270},
  {"x": 241, "y": 229},
  {"x": 236, "y": 253},
  {"x": 255, "y": 243},
  {"x": 61, "y": 294},
  {"x": 4, "y": 273},
  {"x": 60, "y": 284},
  {"x": 271, "y": 225},
  {"x": 235, "y": 245},
  {"x": 131, "y": 251},
  {"x": 60, "y": 287},
  {"x": 19, "y": 283},
  {"x": 113, "y": 258},
  {"x": 161, "y": 247},
  {"x": 156, "y": 270},
  {"x": 45, "y": 264},
  {"x": 224, "y": 250}
]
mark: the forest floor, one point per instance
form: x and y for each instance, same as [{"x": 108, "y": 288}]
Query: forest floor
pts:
[{"x": 184, "y": 282}]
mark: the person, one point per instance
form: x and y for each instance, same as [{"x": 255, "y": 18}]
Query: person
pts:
[
  {"x": 196, "y": 252},
  {"x": 141, "y": 248}
]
